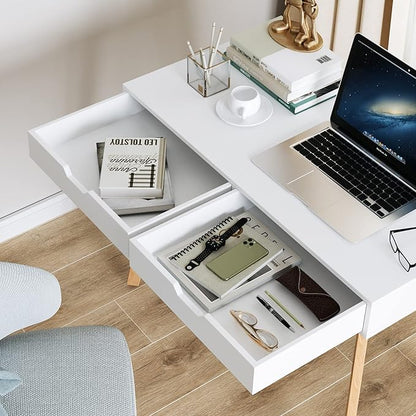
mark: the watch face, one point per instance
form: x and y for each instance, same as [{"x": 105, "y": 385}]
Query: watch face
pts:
[{"x": 215, "y": 243}]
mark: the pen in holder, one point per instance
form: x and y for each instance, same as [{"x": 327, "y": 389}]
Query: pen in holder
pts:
[{"x": 208, "y": 71}]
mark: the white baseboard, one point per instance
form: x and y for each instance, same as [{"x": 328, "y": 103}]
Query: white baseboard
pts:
[{"x": 34, "y": 215}]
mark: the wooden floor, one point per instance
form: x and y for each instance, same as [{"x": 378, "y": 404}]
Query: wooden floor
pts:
[{"x": 175, "y": 374}]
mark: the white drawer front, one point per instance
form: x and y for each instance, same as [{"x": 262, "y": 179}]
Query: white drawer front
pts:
[
  {"x": 253, "y": 366},
  {"x": 66, "y": 150}
]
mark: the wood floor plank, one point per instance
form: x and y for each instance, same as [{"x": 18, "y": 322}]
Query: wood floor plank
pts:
[
  {"x": 170, "y": 368},
  {"x": 88, "y": 284},
  {"x": 333, "y": 401},
  {"x": 151, "y": 315},
  {"x": 55, "y": 244},
  {"x": 384, "y": 340},
  {"x": 226, "y": 396},
  {"x": 391, "y": 380},
  {"x": 112, "y": 315},
  {"x": 408, "y": 348}
]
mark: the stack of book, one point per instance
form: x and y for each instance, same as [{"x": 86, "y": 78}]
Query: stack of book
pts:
[
  {"x": 134, "y": 177},
  {"x": 298, "y": 80},
  {"x": 208, "y": 284}
]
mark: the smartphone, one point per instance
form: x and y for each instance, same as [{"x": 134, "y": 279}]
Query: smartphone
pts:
[{"x": 237, "y": 259}]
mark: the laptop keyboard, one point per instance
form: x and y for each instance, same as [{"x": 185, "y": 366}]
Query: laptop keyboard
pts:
[{"x": 364, "y": 179}]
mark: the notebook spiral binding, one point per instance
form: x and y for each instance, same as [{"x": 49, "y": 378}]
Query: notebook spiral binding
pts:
[{"x": 201, "y": 239}]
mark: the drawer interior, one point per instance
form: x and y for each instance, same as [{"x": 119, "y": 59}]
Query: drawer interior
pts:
[
  {"x": 170, "y": 233},
  {"x": 72, "y": 141}
]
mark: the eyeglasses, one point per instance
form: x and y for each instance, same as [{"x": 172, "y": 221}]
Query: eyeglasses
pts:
[
  {"x": 248, "y": 321},
  {"x": 402, "y": 258}
]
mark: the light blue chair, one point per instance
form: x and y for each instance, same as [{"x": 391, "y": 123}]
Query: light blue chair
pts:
[{"x": 74, "y": 371}]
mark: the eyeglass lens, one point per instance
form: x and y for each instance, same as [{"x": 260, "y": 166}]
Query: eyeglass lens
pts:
[
  {"x": 394, "y": 246},
  {"x": 247, "y": 320},
  {"x": 393, "y": 243},
  {"x": 268, "y": 338},
  {"x": 403, "y": 261}
]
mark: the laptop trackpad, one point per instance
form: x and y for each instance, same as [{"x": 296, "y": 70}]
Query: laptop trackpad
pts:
[{"x": 316, "y": 190}]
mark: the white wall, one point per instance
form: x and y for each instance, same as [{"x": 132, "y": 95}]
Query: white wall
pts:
[
  {"x": 402, "y": 41},
  {"x": 59, "y": 56}
]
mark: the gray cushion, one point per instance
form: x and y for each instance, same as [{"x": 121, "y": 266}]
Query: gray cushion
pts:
[
  {"x": 8, "y": 382},
  {"x": 69, "y": 372},
  {"x": 28, "y": 295}
]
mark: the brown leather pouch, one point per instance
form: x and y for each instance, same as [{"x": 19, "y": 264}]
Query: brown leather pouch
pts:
[{"x": 310, "y": 293}]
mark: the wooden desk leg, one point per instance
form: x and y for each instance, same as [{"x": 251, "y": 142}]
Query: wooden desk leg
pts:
[
  {"x": 356, "y": 375},
  {"x": 133, "y": 278}
]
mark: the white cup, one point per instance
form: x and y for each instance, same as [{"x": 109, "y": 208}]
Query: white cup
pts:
[{"x": 244, "y": 101}]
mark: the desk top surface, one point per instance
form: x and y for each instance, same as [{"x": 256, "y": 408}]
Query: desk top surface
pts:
[{"x": 369, "y": 267}]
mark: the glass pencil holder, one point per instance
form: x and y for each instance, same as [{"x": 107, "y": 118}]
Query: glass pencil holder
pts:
[{"x": 208, "y": 80}]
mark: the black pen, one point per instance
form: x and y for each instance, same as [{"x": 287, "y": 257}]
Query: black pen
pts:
[{"x": 274, "y": 313}]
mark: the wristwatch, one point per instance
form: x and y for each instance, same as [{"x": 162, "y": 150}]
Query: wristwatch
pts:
[{"x": 214, "y": 244}]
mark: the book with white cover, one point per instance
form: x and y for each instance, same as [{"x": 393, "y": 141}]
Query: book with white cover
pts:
[
  {"x": 295, "y": 70},
  {"x": 299, "y": 70},
  {"x": 133, "y": 167}
]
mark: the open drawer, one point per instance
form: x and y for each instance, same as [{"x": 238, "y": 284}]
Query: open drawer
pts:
[
  {"x": 255, "y": 367},
  {"x": 66, "y": 150}
]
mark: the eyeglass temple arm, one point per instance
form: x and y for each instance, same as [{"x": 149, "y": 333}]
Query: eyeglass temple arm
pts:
[{"x": 402, "y": 229}]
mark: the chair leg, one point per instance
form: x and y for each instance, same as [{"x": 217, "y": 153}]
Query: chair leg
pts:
[
  {"x": 356, "y": 375},
  {"x": 133, "y": 278}
]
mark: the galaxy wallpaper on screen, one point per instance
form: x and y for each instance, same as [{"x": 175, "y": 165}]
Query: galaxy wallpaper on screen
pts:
[{"x": 379, "y": 100}]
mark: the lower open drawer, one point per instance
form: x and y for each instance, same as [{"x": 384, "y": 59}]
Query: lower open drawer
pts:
[{"x": 255, "y": 367}]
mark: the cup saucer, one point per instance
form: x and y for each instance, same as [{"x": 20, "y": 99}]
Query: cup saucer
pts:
[{"x": 225, "y": 114}]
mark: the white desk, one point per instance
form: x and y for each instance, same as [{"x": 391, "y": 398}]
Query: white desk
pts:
[{"x": 369, "y": 269}]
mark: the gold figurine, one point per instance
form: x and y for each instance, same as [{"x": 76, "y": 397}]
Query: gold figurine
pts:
[
  {"x": 286, "y": 23},
  {"x": 298, "y": 34}
]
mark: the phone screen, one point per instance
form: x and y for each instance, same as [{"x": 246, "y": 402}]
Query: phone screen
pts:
[{"x": 237, "y": 259}]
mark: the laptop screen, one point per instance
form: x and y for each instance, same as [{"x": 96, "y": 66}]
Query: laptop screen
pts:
[{"x": 376, "y": 106}]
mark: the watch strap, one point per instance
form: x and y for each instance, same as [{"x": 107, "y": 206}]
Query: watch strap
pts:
[
  {"x": 199, "y": 258},
  {"x": 234, "y": 228},
  {"x": 209, "y": 249}
]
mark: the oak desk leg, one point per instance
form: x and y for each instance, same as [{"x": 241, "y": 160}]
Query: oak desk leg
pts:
[
  {"x": 133, "y": 278},
  {"x": 356, "y": 375}
]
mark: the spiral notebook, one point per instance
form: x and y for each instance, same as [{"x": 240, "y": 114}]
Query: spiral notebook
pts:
[{"x": 180, "y": 256}]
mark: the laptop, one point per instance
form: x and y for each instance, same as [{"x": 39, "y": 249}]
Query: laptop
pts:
[{"x": 357, "y": 172}]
